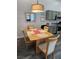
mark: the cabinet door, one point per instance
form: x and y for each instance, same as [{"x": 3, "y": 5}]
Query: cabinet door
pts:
[
  {"x": 50, "y": 15},
  {"x": 53, "y": 28}
]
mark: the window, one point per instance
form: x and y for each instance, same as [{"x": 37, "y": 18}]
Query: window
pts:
[{"x": 30, "y": 16}]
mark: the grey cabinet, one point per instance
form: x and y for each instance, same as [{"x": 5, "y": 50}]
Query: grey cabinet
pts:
[
  {"x": 53, "y": 28},
  {"x": 50, "y": 15}
]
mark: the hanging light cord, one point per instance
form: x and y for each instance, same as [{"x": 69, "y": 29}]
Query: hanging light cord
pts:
[{"x": 37, "y": 1}]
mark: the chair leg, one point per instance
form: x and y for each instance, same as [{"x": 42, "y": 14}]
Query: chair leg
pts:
[
  {"x": 36, "y": 50},
  {"x": 46, "y": 57},
  {"x": 53, "y": 55}
]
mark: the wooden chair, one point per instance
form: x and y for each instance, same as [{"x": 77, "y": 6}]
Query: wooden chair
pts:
[
  {"x": 55, "y": 37},
  {"x": 44, "y": 27},
  {"x": 29, "y": 27},
  {"x": 26, "y": 39},
  {"x": 48, "y": 47}
]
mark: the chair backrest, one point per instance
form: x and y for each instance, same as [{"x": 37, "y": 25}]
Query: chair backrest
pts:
[
  {"x": 30, "y": 27},
  {"x": 26, "y": 39},
  {"x": 44, "y": 27},
  {"x": 52, "y": 44}
]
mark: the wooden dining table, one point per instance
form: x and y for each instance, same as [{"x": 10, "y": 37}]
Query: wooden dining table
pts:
[{"x": 37, "y": 34}]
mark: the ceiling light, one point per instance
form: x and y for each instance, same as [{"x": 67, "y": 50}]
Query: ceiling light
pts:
[{"x": 37, "y": 7}]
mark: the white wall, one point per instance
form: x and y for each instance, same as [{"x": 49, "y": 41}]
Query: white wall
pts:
[{"x": 25, "y": 6}]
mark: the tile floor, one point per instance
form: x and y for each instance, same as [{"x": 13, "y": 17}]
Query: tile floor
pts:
[{"x": 28, "y": 53}]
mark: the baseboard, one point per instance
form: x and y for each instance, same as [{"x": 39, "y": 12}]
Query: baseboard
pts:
[{"x": 18, "y": 37}]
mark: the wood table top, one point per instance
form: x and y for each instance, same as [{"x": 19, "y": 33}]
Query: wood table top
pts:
[{"x": 37, "y": 34}]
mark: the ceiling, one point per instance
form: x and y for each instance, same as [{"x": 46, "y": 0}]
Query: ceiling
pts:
[{"x": 25, "y": 5}]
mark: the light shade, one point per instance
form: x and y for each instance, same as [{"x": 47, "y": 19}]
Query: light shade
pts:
[{"x": 37, "y": 8}]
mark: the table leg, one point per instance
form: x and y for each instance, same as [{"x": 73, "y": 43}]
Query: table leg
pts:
[{"x": 37, "y": 49}]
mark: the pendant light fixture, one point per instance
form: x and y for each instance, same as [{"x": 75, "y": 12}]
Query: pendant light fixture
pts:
[{"x": 37, "y": 7}]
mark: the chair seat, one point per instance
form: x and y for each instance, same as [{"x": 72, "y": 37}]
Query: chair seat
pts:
[
  {"x": 43, "y": 47},
  {"x": 28, "y": 41},
  {"x": 52, "y": 38}
]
